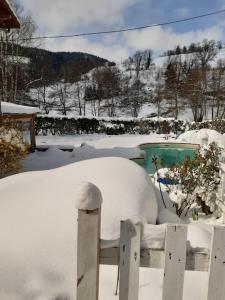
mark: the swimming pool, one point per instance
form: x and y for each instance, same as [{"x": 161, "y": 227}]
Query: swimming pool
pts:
[{"x": 167, "y": 154}]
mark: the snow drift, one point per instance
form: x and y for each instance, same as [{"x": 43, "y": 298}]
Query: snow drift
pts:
[
  {"x": 38, "y": 222},
  {"x": 203, "y": 136}
]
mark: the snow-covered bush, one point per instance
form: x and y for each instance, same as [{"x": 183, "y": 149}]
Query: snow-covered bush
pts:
[
  {"x": 11, "y": 148},
  {"x": 112, "y": 126},
  {"x": 217, "y": 124},
  {"x": 198, "y": 182}
]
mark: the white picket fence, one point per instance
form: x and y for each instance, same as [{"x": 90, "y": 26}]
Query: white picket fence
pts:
[{"x": 175, "y": 258}]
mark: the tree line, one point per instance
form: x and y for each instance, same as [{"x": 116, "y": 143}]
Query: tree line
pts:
[{"x": 195, "y": 81}]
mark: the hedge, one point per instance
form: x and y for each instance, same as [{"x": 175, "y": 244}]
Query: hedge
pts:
[
  {"x": 114, "y": 126},
  {"x": 217, "y": 124},
  {"x": 111, "y": 126}
]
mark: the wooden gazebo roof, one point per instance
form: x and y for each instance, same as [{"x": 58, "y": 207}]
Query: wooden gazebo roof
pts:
[{"x": 8, "y": 18}]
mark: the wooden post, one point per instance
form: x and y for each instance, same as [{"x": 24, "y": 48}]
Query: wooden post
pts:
[
  {"x": 216, "y": 284},
  {"x": 88, "y": 242},
  {"x": 175, "y": 261},
  {"x": 32, "y": 133},
  {"x": 129, "y": 260}
]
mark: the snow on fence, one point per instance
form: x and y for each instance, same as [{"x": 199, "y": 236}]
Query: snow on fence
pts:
[{"x": 175, "y": 258}]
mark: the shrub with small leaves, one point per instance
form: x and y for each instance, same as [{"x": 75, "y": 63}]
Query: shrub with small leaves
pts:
[
  {"x": 12, "y": 150},
  {"x": 198, "y": 182}
]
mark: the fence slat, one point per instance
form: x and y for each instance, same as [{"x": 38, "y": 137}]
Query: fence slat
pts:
[
  {"x": 216, "y": 284},
  {"x": 88, "y": 254},
  {"x": 175, "y": 260},
  {"x": 129, "y": 260}
]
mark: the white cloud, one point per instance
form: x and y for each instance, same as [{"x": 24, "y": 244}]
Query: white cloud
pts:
[
  {"x": 112, "y": 52},
  {"x": 59, "y": 15},
  {"x": 160, "y": 39},
  {"x": 117, "y": 47},
  {"x": 70, "y": 16}
]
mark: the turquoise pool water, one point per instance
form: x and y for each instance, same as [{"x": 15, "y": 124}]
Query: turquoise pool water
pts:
[{"x": 168, "y": 154}]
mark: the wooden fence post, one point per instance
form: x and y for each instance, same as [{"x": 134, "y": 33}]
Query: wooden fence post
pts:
[
  {"x": 88, "y": 242},
  {"x": 129, "y": 260},
  {"x": 216, "y": 283},
  {"x": 175, "y": 261}
]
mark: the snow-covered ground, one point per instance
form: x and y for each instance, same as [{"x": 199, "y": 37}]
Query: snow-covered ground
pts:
[
  {"x": 98, "y": 145},
  {"x": 38, "y": 229},
  {"x": 13, "y": 108},
  {"x": 68, "y": 140},
  {"x": 86, "y": 147}
]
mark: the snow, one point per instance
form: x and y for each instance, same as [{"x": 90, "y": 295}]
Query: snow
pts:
[
  {"x": 19, "y": 59},
  {"x": 165, "y": 215},
  {"x": 38, "y": 217},
  {"x": 38, "y": 222},
  {"x": 88, "y": 196},
  {"x": 13, "y": 108},
  {"x": 54, "y": 157},
  {"x": 153, "y": 236},
  {"x": 94, "y": 146},
  {"x": 66, "y": 140},
  {"x": 101, "y": 140},
  {"x": 203, "y": 135},
  {"x": 150, "y": 284},
  {"x": 198, "y": 235}
]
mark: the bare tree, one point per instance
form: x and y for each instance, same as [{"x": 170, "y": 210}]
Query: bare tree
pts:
[
  {"x": 206, "y": 53},
  {"x": 107, "y": 86},
  {"x": 159, "y": 91},
  {"x": 10, "y": 60},
  {"x": 61, "y": 94},
  {"x": 217, "y": 90},
  {"x": 194, "y": 89},
  {"x": 173, "y": 81}
]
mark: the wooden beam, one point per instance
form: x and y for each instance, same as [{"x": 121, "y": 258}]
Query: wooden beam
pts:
[
  {"x": 5, "y": 17},
  {"x": 197, "y": 259},
  {"x": 32, "y": 133},
  {"x": 17, "y": 117}
]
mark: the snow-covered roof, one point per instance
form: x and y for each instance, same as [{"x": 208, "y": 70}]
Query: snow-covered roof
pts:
[{"x": 12, "y": 108}]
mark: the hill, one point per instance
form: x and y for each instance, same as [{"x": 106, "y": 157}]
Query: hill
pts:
[{"x": 54, "y": 66}]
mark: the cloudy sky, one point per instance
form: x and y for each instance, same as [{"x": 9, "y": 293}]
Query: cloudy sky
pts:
[{"x": 55, "y": 17}]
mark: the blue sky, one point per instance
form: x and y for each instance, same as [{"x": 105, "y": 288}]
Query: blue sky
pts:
[{"x": 73, "y": 16}]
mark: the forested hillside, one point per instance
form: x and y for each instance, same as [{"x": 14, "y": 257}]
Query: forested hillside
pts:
[
  {"x": 54, "y": 66},
  {"x": 182, "y": 84},
  {"x": 187, "y": 82}
]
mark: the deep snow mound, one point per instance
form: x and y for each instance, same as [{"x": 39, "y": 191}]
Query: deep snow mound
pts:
[
  {"x": 202, "y": 136},
  {"x": 38, "y": 222}
]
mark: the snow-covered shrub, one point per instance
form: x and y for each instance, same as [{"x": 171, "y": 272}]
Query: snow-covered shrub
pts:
[
  {"x": 217, "y": 124},
  {"x": 198, "y": 182},
  {"x": 112, "y": 126},
  {"x": 11, "y": 148}
]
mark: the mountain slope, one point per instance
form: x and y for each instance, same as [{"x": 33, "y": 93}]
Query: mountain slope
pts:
[{"x": 54, "y": 66}]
